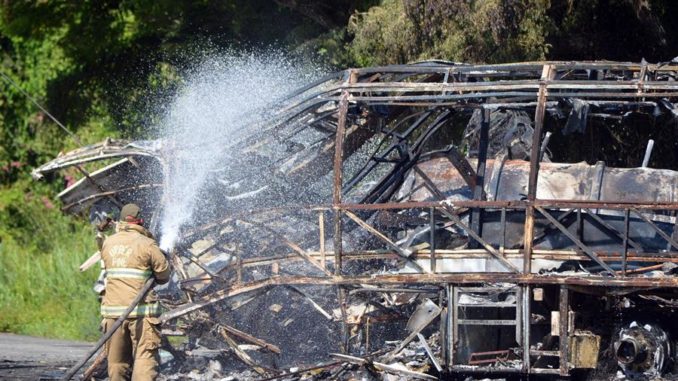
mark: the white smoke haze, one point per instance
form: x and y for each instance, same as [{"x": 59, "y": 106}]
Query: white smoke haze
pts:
[{"x": 225, "y": 99}]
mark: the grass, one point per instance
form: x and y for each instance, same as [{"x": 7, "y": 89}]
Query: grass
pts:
[{"x": 42, "y": 292}]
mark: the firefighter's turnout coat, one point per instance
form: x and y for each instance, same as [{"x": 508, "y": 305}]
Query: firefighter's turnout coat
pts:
[{"x": 130, "y": 257}]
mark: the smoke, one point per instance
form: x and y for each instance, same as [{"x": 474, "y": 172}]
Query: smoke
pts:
[{"x": 224, "y": 99}]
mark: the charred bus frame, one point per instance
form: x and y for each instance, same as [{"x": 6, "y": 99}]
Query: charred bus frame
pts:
[{"x": 441, "y": 87}]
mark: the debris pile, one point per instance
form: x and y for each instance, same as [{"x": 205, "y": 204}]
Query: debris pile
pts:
[{"x": 415, "y": 361}]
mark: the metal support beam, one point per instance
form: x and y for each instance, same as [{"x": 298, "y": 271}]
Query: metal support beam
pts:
[
  {"x": 624, "y": 237},
  {"x": 674, "y": 234},
  {"x": 543, "y": 232},
  {"x": 462, "y": 166},
  {"x": 426, "y": 279},
  {"x": 429, "y": 184},
  {"x": 479, "y": 191},
  {"x": 405, "y": 253},
  {"x": 547, "y": 74},
  {"x": 342, "y": 298},
  {"x": 338, "y": 171},
  {"x": 564, "y": 334},
  {"x": 292, "y": 245},
  {"x": 667, "y": 237},
  {"x": 445, "y": 321},
  {"x": 321, "y": 238},
  {"x": 502, "y": 246},
  {"x": 481, "y": 241},
  {"x": 576, "y": 241},
  {"x": 432, "y": 238},
  {"x": 454, "y": 327},
  {"x": 525, "y": 316},
  {"x": 625, "y": 253},
  {"x": 519, "y": 314}
]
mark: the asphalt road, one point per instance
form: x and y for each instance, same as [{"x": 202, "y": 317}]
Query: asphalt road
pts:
[{"x": 36, "y": 358}]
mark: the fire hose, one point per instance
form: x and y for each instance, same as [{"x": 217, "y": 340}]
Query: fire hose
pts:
[{"x": 142, "y": 293}]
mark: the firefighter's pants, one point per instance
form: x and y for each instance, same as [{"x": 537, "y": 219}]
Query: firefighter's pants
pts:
[{"x": 133, "y": 349}]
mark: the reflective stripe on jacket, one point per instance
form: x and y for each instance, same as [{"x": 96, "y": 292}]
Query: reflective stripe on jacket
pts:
[
  {"x": 131, "y": 256},
  {"x": 147, "y": 310},
  {"x": 120, "y": 273}
]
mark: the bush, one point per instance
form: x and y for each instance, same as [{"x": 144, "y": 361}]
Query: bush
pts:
[{"x": 42, "y": 292}]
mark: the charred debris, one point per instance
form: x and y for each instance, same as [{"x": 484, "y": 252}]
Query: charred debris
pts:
[{"x": 377, "y": 240}]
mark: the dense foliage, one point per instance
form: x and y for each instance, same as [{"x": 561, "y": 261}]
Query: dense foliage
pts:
[
  {"x": 457, "y": 30},
  {"x": 494, "y": 31},
  {"x": 93, "y": 64}
]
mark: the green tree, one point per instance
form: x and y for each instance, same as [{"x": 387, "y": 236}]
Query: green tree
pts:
[
  {"x": 492, "y": 31},
  {"x": 401, "y": 31}
]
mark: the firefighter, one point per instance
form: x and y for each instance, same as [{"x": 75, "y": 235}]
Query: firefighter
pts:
[{"x": 130, "y": 257}]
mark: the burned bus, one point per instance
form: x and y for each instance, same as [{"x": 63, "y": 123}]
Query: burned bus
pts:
[{"x": 428, "y": 220}]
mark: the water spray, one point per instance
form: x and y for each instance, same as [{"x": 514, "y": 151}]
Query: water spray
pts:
[{"x": 226, "y": 99}]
